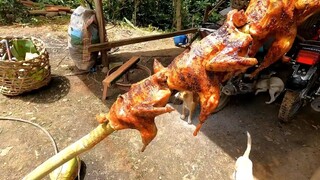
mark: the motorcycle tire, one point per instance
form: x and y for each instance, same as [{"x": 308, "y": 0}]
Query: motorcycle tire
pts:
[
  {"x": 224, "y": 99},
  {"x": 290, "y": 105}
]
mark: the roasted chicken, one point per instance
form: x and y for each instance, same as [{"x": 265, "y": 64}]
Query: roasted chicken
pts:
[
  {"x": 208, "y": 62},
  {"x": 278, "y": 19}
]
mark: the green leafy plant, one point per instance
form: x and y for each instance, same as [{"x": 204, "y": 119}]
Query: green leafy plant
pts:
[
  {"x": 193, "y": 12},
  {"x": 143, "y": 13},
  {"x": 21, "y": 46},
  {"x": 12, "y": 11}
]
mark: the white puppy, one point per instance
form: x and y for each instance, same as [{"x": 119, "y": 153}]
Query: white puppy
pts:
[
  {"x": 275, "y": 86},
  {"x": 190, "y": 101},
  {"x": 243, "y": 169}
]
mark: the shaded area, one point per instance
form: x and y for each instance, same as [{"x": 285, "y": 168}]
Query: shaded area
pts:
[
  {"x": 147, "y": 57},
  {"x": 57, "y": 89}
]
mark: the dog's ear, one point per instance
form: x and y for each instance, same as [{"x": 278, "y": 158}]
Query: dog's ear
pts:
[{"x": 183, "y": 94}]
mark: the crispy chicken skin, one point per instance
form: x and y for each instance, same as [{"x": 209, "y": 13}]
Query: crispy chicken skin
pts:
[
  {"x": 274, "y": 18},
  {"x": 208, "y": 62},
  {"x": 138, "y": 108}
]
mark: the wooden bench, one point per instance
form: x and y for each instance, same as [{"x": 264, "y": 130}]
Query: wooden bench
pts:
[{"x": 116, "y": 74}]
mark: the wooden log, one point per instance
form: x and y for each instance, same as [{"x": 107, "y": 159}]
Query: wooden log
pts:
[
  {"x": 63, "y": 8},
  {"x": 38, "y": 12},
  {"x": 48, "y": 7},
  {"x": 111, "y": 44},
  {"x": 102, "y": 31},
  {"x": 30, "y": 3},
  {"x": 52, "y": 9},
  {"x": 51, "y": 14}
]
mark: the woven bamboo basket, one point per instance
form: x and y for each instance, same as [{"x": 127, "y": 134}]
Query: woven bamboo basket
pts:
[{"x": 17, "y": 77}]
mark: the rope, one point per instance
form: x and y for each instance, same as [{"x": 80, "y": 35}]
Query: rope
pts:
[{"x": 36, "y": 125}]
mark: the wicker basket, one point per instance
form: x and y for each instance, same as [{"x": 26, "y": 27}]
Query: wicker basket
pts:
[{"x": 17, "y": 77}]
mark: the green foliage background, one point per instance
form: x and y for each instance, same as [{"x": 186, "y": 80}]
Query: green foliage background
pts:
[
  {"x": 155, "y": 13},
  {"x": 12, "y": 11}
]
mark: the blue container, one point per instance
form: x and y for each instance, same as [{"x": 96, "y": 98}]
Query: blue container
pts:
[{"x": 180, "y": 40}]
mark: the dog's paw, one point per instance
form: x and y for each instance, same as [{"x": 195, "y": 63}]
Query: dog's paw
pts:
[
  {"x": 189, "y": 121},
  {"x": 269, "y": 102},
  {"x": 182, "y": 117}
]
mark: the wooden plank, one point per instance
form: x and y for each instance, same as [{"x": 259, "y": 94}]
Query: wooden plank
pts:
[
  {"x": 102, "y": 31},
  {"x": 121, "y": 70},
  {"x": 111, "y": 44},
  {"x": 38, "y": 12}
]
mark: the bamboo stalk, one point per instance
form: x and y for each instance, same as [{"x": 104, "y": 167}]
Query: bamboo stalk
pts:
[{"x": 84, "y": 144}]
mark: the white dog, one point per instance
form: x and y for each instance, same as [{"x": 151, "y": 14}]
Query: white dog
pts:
[
  {"x": 275, "y": 86},
  {"x": 243, "y": 168},
  {"x": 190, "y": 101}
]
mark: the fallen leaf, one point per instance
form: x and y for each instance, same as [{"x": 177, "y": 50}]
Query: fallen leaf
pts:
[{"x": 5, "y": 151}]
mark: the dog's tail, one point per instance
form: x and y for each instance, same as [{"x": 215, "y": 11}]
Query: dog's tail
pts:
[{"x": 247, "y": 152}]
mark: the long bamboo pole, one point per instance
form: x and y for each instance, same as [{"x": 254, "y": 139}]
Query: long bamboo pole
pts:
[{"x": 84, "y": 144}]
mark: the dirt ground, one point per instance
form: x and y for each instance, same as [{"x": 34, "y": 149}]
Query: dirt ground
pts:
[{"x": 68, "y": 105}]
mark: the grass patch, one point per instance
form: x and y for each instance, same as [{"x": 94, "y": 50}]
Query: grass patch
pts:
[{"x": 55, "y": 20}]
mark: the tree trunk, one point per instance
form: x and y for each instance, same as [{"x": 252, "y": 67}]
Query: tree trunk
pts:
[
  {"x": 178, "y": 14},
  {"x": 135, "y": 10},
  {"x": 174, "y": 13}
]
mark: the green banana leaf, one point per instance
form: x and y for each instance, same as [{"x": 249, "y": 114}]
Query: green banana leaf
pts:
[{"x": 20, "y": 47}]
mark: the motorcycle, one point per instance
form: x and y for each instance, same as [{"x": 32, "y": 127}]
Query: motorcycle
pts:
[{"x": 303, "y": 86}]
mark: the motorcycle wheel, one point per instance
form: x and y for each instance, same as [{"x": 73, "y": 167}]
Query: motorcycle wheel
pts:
[{"x": 290, "y": 105}]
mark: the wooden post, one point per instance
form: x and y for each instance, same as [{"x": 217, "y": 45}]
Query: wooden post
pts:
[
  {"x": 102, "y": 31},
  {"x": 178, "y": 15}
]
